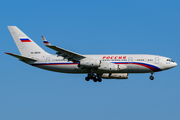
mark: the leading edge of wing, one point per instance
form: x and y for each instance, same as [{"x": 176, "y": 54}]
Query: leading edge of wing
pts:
[{"x": 63, "y": 52}]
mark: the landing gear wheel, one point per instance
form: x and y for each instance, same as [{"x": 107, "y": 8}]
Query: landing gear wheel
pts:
[
  {"x": 87, "y": 78},
  {"x": 94, "y": 79},
  {"x": 99, "y": 79},
  {"x": 151, "y": 77}
]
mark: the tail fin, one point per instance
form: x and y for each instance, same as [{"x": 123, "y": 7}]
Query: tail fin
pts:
[{"x": 26, "y": 46}]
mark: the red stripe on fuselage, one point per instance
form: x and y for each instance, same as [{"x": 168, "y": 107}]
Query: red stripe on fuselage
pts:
[{"x": 141, "y": 64}]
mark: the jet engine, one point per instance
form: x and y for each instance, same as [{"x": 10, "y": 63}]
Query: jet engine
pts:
[
  {"x": 115, "y": 75},
  {"x": 105, "y": 66},
  {"x": 90, "y": 63}
]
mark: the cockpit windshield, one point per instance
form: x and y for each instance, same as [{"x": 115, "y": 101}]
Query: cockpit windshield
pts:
[{"x": 170, "y": 60}]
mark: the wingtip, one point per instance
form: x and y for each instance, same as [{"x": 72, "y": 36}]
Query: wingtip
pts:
[
  {"x": 45, "y": 41},
  {"x": 43, "y": 38}
]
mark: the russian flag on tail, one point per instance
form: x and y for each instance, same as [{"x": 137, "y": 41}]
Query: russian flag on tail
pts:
[{"x": 25, "y": 40}]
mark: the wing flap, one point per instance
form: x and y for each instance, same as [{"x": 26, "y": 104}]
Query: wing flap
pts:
[{"x": 20, "y": 57}]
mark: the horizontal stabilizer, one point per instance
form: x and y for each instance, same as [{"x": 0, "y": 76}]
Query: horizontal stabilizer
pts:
[{"x": 20, "y": 57}]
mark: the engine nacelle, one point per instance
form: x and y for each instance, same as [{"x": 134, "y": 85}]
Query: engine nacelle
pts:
[
  {"x": 90, "y": 63},
  {"x": 115, "y": 75},
  {"x": 106, "y": 66}
]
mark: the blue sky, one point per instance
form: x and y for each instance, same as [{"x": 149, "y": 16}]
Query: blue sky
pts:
[{"x": 90, "y": 27}]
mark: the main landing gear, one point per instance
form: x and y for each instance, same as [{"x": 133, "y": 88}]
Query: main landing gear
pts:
[
  {"x": 93, "y": 77},
  {"x": 151, "y": 77}
]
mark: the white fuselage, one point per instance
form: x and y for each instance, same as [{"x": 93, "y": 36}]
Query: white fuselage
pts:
[{"x": 135, "y": 63}]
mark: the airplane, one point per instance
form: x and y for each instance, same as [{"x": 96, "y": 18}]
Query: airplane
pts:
[{"x": 115, "y": 66}]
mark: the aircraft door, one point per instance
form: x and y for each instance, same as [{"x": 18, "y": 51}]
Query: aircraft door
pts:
[
  {"x": 48, "y": 60},
  {"x": 156, "y": 60},
  {"x": 130, "y": 59}
]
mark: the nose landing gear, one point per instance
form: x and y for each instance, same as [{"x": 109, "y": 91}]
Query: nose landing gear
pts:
[{"x": 151, "y": 77}]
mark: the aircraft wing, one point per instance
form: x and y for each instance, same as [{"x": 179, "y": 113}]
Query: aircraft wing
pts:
[
  {"x": 20, "y": 57},
  {"x": 63, "y": 52}
]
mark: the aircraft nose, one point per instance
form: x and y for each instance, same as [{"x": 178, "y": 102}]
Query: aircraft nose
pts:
[{"x": 174, "y": 64}]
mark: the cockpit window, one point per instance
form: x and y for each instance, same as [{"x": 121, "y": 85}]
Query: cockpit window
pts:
[{"x": 170, "y": 60}]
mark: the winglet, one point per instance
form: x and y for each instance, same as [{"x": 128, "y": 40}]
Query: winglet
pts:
[{"x": 45, "y": 41}]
